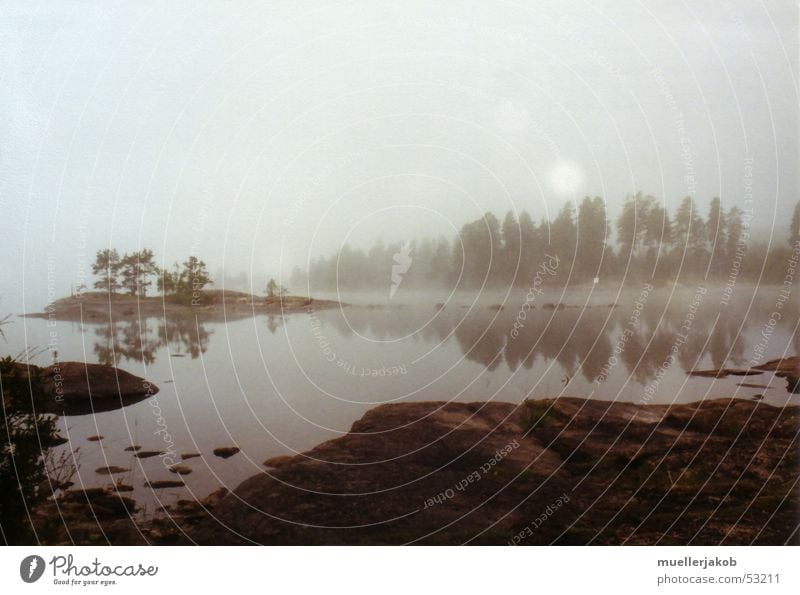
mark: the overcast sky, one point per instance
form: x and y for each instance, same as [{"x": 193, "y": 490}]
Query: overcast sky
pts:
[{"x": 255, "y": 134}]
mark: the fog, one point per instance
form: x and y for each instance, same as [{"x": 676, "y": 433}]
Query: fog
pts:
[{"x": 260, "y": 136}]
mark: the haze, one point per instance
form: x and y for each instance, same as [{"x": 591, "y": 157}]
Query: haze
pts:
[{"x": 258, "y": 136}]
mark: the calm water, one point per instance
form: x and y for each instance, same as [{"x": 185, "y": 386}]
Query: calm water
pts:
[{"x": 275, "y": 385}]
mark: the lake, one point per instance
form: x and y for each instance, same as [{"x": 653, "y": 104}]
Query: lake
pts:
[{"x": 275, "y": 385}]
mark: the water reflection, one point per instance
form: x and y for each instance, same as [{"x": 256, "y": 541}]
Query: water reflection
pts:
[
  {"x": 580, "y": 340},
  {"x": 140, "y": 340}
]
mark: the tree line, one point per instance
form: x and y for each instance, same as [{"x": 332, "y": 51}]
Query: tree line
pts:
[
  {"x": 134, "y": 273},
  {"x": 649, "y": 243}
]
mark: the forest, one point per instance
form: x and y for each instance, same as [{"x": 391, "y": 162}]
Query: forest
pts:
[{"x": 648, "y": 243}]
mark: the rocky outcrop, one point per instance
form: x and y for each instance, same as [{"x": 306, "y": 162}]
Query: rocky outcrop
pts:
[
  {"x": 785, "y": 367},
  {"x": 96, "y": 307},
  {"x": 76, "y": 388},
  {"x": 563, "y": 471}
]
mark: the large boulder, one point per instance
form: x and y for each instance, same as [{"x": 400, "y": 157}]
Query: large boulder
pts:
[{"x": 76, "y": 388}]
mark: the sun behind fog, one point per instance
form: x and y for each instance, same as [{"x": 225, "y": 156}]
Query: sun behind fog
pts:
[{"x": 566, "y": 178}]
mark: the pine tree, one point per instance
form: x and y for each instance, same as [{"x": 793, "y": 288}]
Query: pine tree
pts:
[
  {"x": 106, "y": 266},
  {"x": 717, "y": 231},
  {"x": 690, "y": 237}
]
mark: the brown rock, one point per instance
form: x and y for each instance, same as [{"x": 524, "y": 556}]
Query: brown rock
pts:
[
  {"x": 278, "y": 462},
  {"x": 226, "y": 452},
  {"x": 111, "y": 470},
  {"x": 165, "y": 483}
]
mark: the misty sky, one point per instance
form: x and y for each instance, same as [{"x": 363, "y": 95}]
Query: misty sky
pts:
[{"x": 256, "y": 134}]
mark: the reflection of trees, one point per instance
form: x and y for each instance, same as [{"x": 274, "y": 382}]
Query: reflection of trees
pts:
[
  {"x": 139, "y": 340},
  {"x": 274, "y": 323},
  {"x": 481, "y": 342},
  {"x": 184, "y": 335},
  {"x": 579, "y": 340}
]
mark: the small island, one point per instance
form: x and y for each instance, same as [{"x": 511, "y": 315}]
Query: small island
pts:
[
  {"x": 123, "y": 283},
  {"x": 212, "y": 305}
]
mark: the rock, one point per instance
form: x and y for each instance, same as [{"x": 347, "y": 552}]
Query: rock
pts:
[
  {"x": 111, "y": 470},
  {"x": 133, "y": 448},
  {"x": 483, "y": 473},
  {"x": 226, "y": 452},
  {"x": 165, "y": 483},
  {"x": 76, "y": 388},
  {"x": 723, "y": 373},
  {"x": 215, "y": 497},
  {"x": 146, "y": 454},
  {"x": 52, "y": 441},
  {"x": 180, "y": 469},
  {"x": 278, "y": 462},
  {"x": 440, "y": 306},
  {"x": 101, "y": 504},
  {"x": 552, "y": 306},
  {"x": 95, "y": 438},
  {"x": 789, "y": 366},
  {"x": 497, "y": 307},
  {"x": 121, "y": 487},
  {"x": 189, "y": 455}
]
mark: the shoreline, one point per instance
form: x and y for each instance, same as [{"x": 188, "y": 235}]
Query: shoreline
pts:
[
  {"x": 98, "y": 307},
  {"x": 565, "y": 471}
]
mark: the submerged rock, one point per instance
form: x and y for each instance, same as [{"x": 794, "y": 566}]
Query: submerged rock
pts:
[
  {"x": 226, "y": 452},
  {"x": 165, "y": 483},
  {"x": 785, "y": 367},
  {"x": 111, "y": 470}
]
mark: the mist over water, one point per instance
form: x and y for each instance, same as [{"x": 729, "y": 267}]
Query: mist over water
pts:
[
  {"x": 277, "y": 384},
  {"x": 286, "y": 215}
]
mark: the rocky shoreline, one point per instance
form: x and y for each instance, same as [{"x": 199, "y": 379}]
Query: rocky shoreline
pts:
[
  {"x": 556, "y": 471},
  {"x": 211, "y": 305}
]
